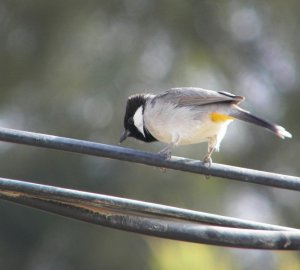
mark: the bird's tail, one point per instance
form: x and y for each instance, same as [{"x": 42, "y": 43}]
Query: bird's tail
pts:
[{"x": 248, "y": 117}]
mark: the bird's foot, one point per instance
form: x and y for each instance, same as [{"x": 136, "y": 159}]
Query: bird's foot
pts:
[
  {"x": 207, "y": 161},
  {"x": 165, "y": 153}
]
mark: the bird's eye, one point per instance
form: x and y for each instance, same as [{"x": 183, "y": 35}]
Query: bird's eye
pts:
[{"x": 130, "y": 121}]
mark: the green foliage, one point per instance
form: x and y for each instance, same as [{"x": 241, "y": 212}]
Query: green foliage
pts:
[{"x": 176, "y": 256}]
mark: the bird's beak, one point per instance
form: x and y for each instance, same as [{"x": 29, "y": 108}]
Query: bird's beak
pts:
[{"x": 124, "y": 135}]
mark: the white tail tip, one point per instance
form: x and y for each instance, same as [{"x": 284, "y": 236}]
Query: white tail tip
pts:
[{"x": 282, "y": 133}]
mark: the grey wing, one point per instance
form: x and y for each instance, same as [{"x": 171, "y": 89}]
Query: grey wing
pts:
[{"x": 190, "y": 96}]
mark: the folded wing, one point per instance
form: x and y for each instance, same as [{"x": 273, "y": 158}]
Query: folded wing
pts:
[{"x": 189, "y": 96}]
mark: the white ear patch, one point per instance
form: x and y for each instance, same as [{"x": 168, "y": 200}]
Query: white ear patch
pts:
[{"x": 138, "y": 120}]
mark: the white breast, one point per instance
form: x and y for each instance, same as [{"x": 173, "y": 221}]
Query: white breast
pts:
[{"x": 168, "y": 123}]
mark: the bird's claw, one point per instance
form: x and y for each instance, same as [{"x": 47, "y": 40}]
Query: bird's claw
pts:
[
  {"x": 207, "y": 161},
  {"x": 165, "y": 153}
]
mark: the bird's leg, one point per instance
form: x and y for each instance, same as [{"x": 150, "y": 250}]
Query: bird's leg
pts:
[
  {"x": 166, "y": 151},
  {"x": 207, "y": 161},
  {"x": 166, "y": 154}
]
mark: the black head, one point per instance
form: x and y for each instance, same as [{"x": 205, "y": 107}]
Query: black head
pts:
[{"x": 135, "y": 103}]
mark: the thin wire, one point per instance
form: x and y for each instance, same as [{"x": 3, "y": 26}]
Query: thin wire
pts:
[
  {"x": 140, "y": 217},
  {"x": 135, "y": 206},
  {"x": 152, "y": 159}
]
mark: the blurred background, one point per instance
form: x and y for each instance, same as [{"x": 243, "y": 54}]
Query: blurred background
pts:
[{"x": 67, "y": 68}]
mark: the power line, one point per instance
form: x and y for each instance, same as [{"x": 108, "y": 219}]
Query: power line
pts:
[
  {"x": 150, "y": 219},
  {"x": 152, "y": 159}
]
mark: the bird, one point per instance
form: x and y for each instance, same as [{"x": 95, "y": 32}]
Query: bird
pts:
[{"x": 187, "y": 115}]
